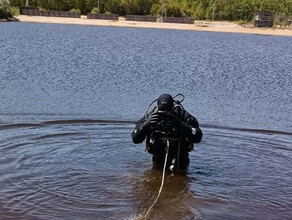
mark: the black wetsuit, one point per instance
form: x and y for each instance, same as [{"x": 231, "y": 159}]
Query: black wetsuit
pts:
[{"x": 189, "y": 133}]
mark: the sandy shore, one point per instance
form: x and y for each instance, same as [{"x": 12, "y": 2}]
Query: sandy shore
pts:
[{"x": 198, "y": 26}]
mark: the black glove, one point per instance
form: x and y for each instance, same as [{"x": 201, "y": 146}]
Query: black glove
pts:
[
  {"x": 152, "y": 121},
  {"x": 172, "y": 121},
  {"x": 154, "y": 118}
]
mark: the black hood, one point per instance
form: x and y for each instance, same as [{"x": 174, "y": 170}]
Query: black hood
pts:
[{"x": 165, "y": 102}]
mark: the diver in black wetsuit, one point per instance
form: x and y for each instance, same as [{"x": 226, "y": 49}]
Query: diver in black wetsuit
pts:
[{"x": 168, "y": 120}]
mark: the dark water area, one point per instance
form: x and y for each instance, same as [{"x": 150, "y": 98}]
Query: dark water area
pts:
[{"x": 69, "y": 95}]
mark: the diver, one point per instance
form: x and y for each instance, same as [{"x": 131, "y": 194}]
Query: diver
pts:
[{"x": 168, "y": 121}]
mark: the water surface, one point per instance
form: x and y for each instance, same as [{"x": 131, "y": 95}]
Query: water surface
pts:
[{"x": 69, "y": 95}]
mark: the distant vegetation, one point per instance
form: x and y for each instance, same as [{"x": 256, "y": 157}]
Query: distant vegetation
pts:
[
  {"x": 95, "y": 10},
  {"x": 4, "y": 9},
  {"x": 233, "y": 10},
  {"x": 74, "y": 10}
]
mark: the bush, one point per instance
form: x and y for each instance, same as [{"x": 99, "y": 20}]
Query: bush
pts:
[
  {"x": 280, "y": 20},
  {"x": 4, "y": 9},
  {"x": 4, "y": 5},
  {"x": 4, "y": 14},
  {"x": 172, "y": 10},
  {"x": 14, "y": 11},
  {"x": 95, "y": 10},
  {"x": 74, "y": 10},
  {"x": 242, "y": 23}
]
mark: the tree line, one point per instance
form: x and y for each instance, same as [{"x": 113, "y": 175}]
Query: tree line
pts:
[{"x": 232, "y": 10}]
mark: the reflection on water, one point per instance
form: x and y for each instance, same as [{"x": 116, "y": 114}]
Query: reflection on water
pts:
[
  {"x": 174, "y": 201},
  {"x": 93, "y": 171}
]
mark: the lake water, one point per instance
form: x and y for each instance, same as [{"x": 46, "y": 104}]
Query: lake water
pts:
[{"x": 69, "y": 95}]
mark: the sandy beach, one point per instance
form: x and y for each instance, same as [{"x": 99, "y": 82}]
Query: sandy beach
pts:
[{"x": 215, "y": 26}]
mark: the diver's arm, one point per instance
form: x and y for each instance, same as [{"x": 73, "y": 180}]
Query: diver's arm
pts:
[
  {"x": 190, "y": 120},
  {"x": 194, "y": 135},
  {"x": 190, "y": 127},
  {"x": 141, "y": 130},
  {"x": 145, "y": 125}
]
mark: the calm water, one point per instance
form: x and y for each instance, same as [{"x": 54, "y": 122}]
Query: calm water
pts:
[{"x": 69, "y": 93}]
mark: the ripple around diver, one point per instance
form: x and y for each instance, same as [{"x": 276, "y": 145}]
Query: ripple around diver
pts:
[{"x": 99, "y": 121}]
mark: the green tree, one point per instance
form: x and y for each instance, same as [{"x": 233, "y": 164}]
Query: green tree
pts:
[
  {"x": 246, "y": 10},
  {"x": 4, "y": 9},
  {"x": 173, "y": 9},
  {"x": 200, "y": 10},
  {"x": 156, "y": 9},
  {"x": 114, "y": 7}
]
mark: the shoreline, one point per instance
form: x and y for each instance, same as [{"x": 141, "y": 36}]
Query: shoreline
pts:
[
  {"x": 205, "y": 26},
  {"x": 12, "y": 19}
]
